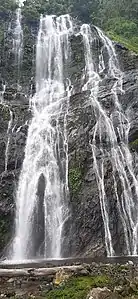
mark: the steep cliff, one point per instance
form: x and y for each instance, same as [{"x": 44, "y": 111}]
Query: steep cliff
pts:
[
  {"x": 87, "y": 230},
  {"x": 15, "y": 115},
  {"x": 84, "y": 230}
]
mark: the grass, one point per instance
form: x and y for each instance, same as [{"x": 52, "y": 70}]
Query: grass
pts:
[
  {"x": 77, "y": 288},
  {"x": 130, "y": 44}
]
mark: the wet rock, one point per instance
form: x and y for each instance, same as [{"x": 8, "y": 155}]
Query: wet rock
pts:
[
  {"x": 61, "y": 277},
  {"x": 114, "y": 296},
  {"x": 20, "y": 294},
  {"x": 83, "y": 232},
  {"x": 99, "y": 293},
  {"x": 10, "y": 293},
  {"x": 11, "y": 280},
  {"x": 118, "y": 289},
  {"x": 84, "y": 272},
  {"x": 136, "y": 280},
  {"x": 85, "y": 225},
  {"x": 133, "y": 286},
  {"x": 12, "y": 142}
]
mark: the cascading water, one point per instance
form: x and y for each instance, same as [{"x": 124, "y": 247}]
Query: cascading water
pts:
[
  {"x": 18, "y": 36},
  {"x": 43, "y": 186},
  {"x": 93, "y": 85},
  {"x": 110, "y": 140},
  {"x": 8, "y": 140},
  {"x": 5, "y": 106},
  {"x": 41, "y": 199}
]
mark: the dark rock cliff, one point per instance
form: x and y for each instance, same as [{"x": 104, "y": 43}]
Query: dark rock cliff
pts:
[
  {"x": 14, "y": 119},
  {"x": 84, "y": 227},
  {"x": 87, "y": 230}
]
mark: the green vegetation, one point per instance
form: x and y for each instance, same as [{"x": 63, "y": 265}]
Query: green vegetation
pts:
[
  {"x": 4, "y": 112},
  {"x": 131, "y": 44},
  {"x": 33, "y": 9},
  {"x": 123, "y": 31},
  {"x": 75, "y": 176},
  {"x": 117, "y": 17},
  {"x": 78, "y": 287},
  {"x": 6, "y": 7},
  {"x": 134, "y": 144}
]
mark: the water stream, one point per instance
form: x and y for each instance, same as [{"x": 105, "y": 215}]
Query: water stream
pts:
[
  {"x": 18, "y": 37},
  {"x": 42, "y": 194},
  {"x": 110, "y": 140},
  {"x": 45, "y": 168}
]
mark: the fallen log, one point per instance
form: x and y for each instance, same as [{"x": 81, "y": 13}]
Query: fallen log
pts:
[{"x": 40, "y": 271}]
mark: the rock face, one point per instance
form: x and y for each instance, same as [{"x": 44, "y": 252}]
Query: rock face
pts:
[
  {"x": 84, "y": 230},
  {"x": 99, "y": 293},
  {"x": 86, "y": 223},
  {"x": 13, "y": 123},
  {"x": 14, "y": 119}
]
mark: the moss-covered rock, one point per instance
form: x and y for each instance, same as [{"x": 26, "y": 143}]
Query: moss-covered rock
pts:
[
  {"x": 75, "y": 176},
  {"x": 134, "y": 145}
]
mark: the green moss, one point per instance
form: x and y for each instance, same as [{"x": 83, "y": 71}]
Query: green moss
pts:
[
  {"x": 134, "y": 143},
  {"x": 78, "y": 287},
  {"x": 131, "y": 43},
  {"x": 75, "y": 176},
  {"x": 4, "y": 112}
]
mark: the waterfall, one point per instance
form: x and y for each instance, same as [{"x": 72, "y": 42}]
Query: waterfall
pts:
[
  {"x": 41, "y": 206},
  {"x": 42, "y": 193},
  {"x": 10, "y": 123},
  {"x": 110, "y": 140},
  {"x": 18, "y": 36},
  {"x": 2, "y": 92},
  {"x": 8, "y": 140}
]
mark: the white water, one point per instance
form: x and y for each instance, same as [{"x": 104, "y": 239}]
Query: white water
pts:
[
  {"x": 18, "y": 36},
  {"x": 108, "y": 129},
  {"x": 8, "y": 140},
  {"x": 46, "y": 147},
  {"x": 5, "y": 106},
  {"x": 2, "y": 93}
]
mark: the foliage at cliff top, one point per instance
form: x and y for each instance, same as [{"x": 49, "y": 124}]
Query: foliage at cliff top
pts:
[
  {"x": 6, "y": 7},
  {"x": 118, "y": 17}
]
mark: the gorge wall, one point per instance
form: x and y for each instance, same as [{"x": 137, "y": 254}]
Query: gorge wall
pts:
[
  {"x": 84, "y": 202},
  {"x": 84, "y": 232}
]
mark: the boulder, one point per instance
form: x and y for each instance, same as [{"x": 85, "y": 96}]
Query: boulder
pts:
[{"x": 99, "y": 293}]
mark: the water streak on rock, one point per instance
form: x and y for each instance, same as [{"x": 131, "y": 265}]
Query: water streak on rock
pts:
[
  {"x": 8, "y": 140},
  {"x": 110, "y": 140},
  {"x": 18, "y": 36}
]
